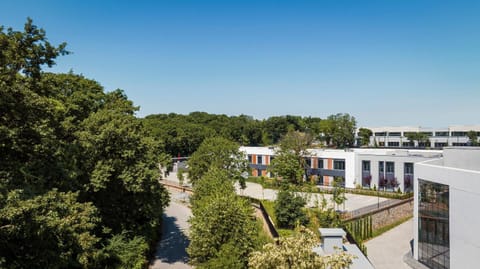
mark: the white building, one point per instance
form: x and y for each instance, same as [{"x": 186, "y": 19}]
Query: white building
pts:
[
  {"x": 437, "y": 137},
  {"x": 446, "y": 214},
  {"x": 387, "y": 169}
]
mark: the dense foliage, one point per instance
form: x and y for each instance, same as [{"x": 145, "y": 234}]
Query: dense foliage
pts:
[
  {"x": 289, "y": 162},
  {"x": 289, "y": 209},
  {"x": 78, "y": 172},
  {"x": 220, "y": 153},
  {"x": 223, "y": 231},
  {"x": 181, "y": 135}
]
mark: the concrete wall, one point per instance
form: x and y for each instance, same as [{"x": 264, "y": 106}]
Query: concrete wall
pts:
[{"x": 464, "y": 199}]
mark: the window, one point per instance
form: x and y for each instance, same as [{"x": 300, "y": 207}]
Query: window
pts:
[
  {"x": 427, "y": 133},
  {"x": 381, "y": 167},
  {"x": 393, "y": 144},
  {"x": 320, "y": 163},
  {"x": 440, "y": 145},
  {"x": 390, "y": 167},
  {"x": 433, "y": 225},
  {"x": 339, "y": 164},
  {"x": 408, "y": 144},
  {"x": 459, "y": 144},
  {"x": 249, "y": 158},
  {"x": 259, "y": 159},
  {"x": 381, "y": 134},
  {"x": 408, "y": 168},
  {"x": 441, "y": 133},
  {"x": 394, "y": 134},
  {"x": 366, "y": 166},
  {"x": 459, "y": 133},
  {"x": 308, "y": 161}
]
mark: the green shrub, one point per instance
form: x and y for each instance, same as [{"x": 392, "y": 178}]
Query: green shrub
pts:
[{"x": 289, "y": 209}]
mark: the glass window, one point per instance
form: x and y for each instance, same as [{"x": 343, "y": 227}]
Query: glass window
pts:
[
  {"x": 393, "y": 144},
  {"x": 366, "y": 166},
  {"x": 390, "y": 167},
  {"x": 339, "y": 164},
  {"x": 409, "y": 168},
  {"x": 433, "y": 225},
  {"x": 394, "y": 134},
  {"x": 259, "y": 159},
  {"x": 427, "y": 133},
  {"x": 249, "y": 158},
  {"x": 320, "y": 163},
  {"x": 381, "y": 134},
  {"x": 381, "y": 167},
  {"x": 441, "y": 133},
  {"x": 459, "y": 133},
  {"x": 308, "y": 161}
]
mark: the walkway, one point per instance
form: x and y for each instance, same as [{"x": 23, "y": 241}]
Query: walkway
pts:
[
  {"x": 387, "y": 250},
  {"x": 171, "y": 250}
]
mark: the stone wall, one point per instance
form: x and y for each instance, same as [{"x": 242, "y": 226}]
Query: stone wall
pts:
[{"x": 389, "y": 215}]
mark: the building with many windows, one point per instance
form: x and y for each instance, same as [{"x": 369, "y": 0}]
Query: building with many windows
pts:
[
  {"x": 446, "y": 214},
  {"x": 397, "y": 137},
  {"x": 386, "y": 169}
]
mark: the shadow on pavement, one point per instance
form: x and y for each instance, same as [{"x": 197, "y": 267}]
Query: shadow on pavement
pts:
[{"x": 172, "y": 246}]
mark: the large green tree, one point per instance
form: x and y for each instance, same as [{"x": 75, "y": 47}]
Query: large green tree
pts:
[
  {"x": 365, "y": 135},
  {"x": 217, "y": 152},
  {"x": 339, "y": 130},
  {"x": 289, "y": 209},
  {"x": 289, "y": 162},
  {"x": 472, "y": 138},
  {"x": 78, "y": 170},
  {"x": 221, "y": 222}
]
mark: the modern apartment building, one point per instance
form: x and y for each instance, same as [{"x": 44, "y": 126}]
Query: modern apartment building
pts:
[
  {"x": 396, "y": 137},
  {"x": 446, "y": 215},
  {"x": 387, "y": 169}
]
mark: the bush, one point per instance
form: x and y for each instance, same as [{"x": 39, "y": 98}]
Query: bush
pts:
[{"x": 289, "y": 209}]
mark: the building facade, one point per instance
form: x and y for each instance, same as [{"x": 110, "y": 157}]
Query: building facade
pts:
[
  {"x": 446, "y": 214},
  {"x": 385, "y": 169},
  {"x": 397, "y": 137}
]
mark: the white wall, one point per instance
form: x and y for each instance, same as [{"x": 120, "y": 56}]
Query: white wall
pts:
[{"x": 464, "y": 203}]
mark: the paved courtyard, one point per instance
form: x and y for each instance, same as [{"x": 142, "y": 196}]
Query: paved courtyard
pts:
[{"x": 387, "y": 250}]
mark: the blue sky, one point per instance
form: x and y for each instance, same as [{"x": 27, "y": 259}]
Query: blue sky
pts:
[{"x": 385, "y": 62}]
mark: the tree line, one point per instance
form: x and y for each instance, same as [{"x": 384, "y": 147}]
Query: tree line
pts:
[
  {"x": 78, "y": 171},
  {"x": 181, "y": 135}
]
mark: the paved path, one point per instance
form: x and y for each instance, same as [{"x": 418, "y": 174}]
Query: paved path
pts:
[
  {"x": 387, "y": 250},
  {"x": 353, "y": 202},
  {"x": 171, "y": 250}
]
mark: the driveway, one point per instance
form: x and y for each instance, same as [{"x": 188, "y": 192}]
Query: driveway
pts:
[
  {"x": 387, "y": 250},
  {"x": 171, "y": 250}
]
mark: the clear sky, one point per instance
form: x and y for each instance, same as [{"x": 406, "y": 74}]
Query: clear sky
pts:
[{"x": 388, "y": 63}]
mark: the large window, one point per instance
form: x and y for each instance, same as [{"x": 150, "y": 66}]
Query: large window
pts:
[
  {"x": 259, "y": 159},
  {"x": 394, "y": 134},
  {"x": 365, "y": 166},
  {"x": 339, "y": 164},
  {"x": 249, "y": 158},
  {"x": 381, "y": 134},
  {"x": 433, "y": 226},
  {"x": 459, "y": 133},
  {"x": 320, "y": 163},
  {"x": 408, "y": 176},
  {"x": 441, "y": 133},
  {"x": 390, "y": 167}
]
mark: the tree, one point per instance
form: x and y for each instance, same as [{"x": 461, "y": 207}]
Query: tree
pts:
[
  {"x": 472, "y": 138},
  {"x": 221, "y": 221},
  {"x": 365, "y": 135},
  {"x": 52, "y": 230},
  {"x": 220, "y": 153},
  {"x": 416, "y": 136},
  {"x": 297, "y": 252},
  {"x": 289, "y": 209},
  {"x": 338, "y": 130},
  {"x": 338, "y": 197},
  {"x": 289, "y": 162}
]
